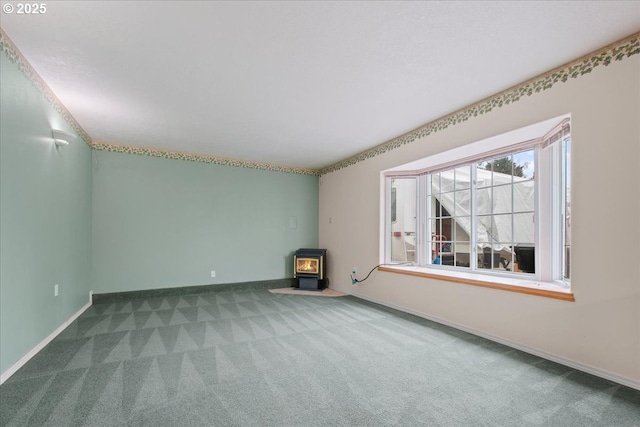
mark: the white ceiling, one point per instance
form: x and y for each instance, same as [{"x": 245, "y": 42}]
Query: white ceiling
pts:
[{"x": 296, "y": 83}]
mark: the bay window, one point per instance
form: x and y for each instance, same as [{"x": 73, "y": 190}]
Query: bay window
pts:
[{"x": 498, "y": 207}]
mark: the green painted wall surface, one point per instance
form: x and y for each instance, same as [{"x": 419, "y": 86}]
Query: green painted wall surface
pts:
[
  {"x": 45, "y": 218},
  {"x": 161, "y": 223}
]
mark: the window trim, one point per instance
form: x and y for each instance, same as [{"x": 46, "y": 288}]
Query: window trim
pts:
[
  {"x": 529, "y": 287},
  {"x": 548, "y": 280}
]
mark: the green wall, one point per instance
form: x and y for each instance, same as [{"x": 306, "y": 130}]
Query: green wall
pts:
[
  {"x": 112, "y": 222},
  {"x": 45, "y": 218},
  {"x": 161, "y": 223}
]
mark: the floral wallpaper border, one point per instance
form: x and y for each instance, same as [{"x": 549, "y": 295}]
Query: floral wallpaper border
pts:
[
  {"x": 614, "y": 52},
  {"x": 166, "y": 154},
  {"x": 15, "y": 56}
]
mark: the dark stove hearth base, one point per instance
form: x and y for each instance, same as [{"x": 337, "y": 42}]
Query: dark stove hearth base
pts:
[{"x": 309, "y": 284}]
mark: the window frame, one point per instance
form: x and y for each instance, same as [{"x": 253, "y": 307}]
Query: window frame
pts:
[{"x": 550, "y": 187}]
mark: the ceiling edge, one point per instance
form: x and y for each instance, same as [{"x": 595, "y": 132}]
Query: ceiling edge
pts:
[
  {"x": 616, "y": 51},
  {"x": 15, "y": 56},
  {"x": 194, "y": 157}
]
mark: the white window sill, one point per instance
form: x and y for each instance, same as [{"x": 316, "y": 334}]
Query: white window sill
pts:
[{"x": 511, "y": 284}]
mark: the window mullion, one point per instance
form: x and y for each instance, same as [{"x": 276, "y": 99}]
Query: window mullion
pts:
[
  {"x": 541, "y": 169},
  {"x": 565, "y": 266},
  {"x": 425, "y": 249},
  {"x": 387, "y": 225},
  {"x": 473, "y": 249},
  {"x": 559, "y": 220},
  {"x": 556, "y": 216}
]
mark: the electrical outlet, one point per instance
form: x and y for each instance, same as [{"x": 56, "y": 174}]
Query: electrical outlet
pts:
[
  {"x": 213, "y": 273},
  {"x": 55, "y": 290}
]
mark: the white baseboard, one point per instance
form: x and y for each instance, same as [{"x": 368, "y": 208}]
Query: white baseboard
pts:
[
  {"x": 629, "y": 382},
  {"x": 24, "y": 359}
]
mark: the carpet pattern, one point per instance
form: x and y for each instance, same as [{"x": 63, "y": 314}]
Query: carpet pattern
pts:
[
  {"x": 326, "y": 292},
  {"x": 255, "y": 358}
]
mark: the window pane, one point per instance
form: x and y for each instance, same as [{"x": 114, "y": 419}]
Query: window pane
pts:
[
  {"x": 393, "y": 204},
  {"x": 508, "y": 257},
  {"x": 462, "y": 203},
  {"x": 403, "y": 229},
  {"x": 502, "y": 228},
  {"x": 462, "y": 241},
  {"x": 489, "y": 257},
  {"x": 525, "y": 258},
  {"x": 502, "y": 166},
  {"x": 455, "y": 254},
  {"x": 502, "y": 199},
  {"x": 483, "y": 175},
  {"x": 445, "y": 204},
  {"x": 567, "y": 209},
  {"x": 435, "y": 184},
  {"x": 433, "y": 224},
  {"x": 462, "y": 254},
  {"x": 446, "y": 228},
  {"x": 484, "y": 200},
  {"x": 447, "y": 253},
  {"x": 524, "y": 196},
  {"x": 463, "y": 177},
  {"x": 462, "y": 229},
  {"x": 523, "y": 228},
  {"x": 483, "y": 228},
  {"x": 501, "y": 178},
  {"x": 438, "y": 243},
  {"x": 436, "y": 208},
  {"x": 523, "y": 164},
  {"x": 447, "y": 181}
]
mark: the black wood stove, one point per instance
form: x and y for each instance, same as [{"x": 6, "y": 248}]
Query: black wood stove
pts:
[{"x": 310, "y": 269}]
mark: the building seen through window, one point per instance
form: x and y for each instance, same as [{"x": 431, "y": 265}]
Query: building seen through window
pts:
[{"x": 494, "y": 213}]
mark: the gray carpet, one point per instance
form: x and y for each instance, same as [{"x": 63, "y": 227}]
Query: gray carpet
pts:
[{"x": 253, "y": 358}]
